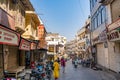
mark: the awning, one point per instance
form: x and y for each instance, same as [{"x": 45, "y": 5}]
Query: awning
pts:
[
  {"x": 25, "y": 44},
  {"x": 9, "y": 36}
]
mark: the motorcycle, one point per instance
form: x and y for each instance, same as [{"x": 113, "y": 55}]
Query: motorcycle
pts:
[
  {"x": 37, "y": 74},
  {"x": 48, "y": 71}
]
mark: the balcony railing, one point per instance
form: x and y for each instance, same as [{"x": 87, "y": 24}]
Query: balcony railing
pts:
[{"x": 82, "y": 40}]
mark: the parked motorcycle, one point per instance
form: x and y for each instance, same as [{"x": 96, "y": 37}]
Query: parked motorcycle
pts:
[
  {"x": 48, "y": 71},
  {"x": 37, "y": 74}
]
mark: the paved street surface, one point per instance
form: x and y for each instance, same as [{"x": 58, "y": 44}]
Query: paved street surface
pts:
[{"x": 82, "y": 73}]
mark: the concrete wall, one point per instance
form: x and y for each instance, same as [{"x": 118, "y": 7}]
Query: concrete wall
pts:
[
  {"x": 102, "y": 55},
  {"x": 115, "y": 7},
  {"x": 114, "y": 56}
]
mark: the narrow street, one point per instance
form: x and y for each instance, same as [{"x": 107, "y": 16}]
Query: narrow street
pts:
[
  {"x": 82, "y": 73},
  {"x": 37, "y": 35}
]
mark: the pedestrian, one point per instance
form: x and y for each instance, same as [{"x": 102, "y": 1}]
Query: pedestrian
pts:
[
  {"x": 76, "y": 63},
  {"x": 58, "y": 59},
  {"x": 56, "y": 70},
  {"x": 63, "y": 64}
]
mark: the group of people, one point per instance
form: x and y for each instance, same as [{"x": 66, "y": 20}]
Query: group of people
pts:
[
  {"x": 56, "y": 66},
  {"x": 84, "y": 62}
]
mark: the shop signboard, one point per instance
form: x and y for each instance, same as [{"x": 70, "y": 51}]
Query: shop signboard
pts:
[
  {"x": 114, "y": 25},
  {"x": 8, "y": 36},
  {"x": 114, "y": 35},
  {"x": 24, "y": 45},
  {"x": 101, "y": 38}
]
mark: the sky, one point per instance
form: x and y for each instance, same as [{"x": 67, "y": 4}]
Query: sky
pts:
[{"x": 65, "y": 17}]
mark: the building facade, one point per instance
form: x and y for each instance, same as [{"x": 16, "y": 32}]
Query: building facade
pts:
[
  {"x": 113, "y": 33},
  {"x": 71, "y": 47},
  {"x": 98, "y": 32},
  {"x": 42, "y": 46},
  {"x": 31, "y": 25},
  {"x": 11, "y": 28},
  {"x": 55, "y": 44},
  {"x": 83, "y": 40}
]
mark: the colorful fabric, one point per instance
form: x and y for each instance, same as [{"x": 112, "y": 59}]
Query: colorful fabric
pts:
[
  {"x": 63, "y": 62},
  {"x": 56, "y": 70}
]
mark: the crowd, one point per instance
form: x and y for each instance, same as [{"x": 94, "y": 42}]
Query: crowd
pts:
[
  {"x": 84, "y": 62},
  {"x": 48, "y": 67}
]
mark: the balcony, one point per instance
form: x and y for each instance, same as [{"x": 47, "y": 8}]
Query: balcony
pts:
[
  {"x": 19, "y": 23},
  {"x": 81, "y": 41},
  {"x": 27, "y": 4},
  {"x": 105, "y": 2},
  {"x": 19, "y": 29}
]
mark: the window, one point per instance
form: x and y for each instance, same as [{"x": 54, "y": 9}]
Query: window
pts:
[
  {"x": 92, "y": 3},
  {"x": 98, "y": 18},
  {"x": 103, "y": 14},
  {"x": 52, "y": 39}
]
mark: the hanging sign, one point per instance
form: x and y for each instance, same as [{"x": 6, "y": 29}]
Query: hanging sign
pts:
[{"x": 114, "y": 25}]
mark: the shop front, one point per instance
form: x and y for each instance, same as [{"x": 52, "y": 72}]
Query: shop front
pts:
[
  {"x": 100, "y": 50},
  {"x": 9, "y": 41},
  {"x": 114, "y": 45},
  {"x": 24, "y": 52},
  {"x": 1, "y": 62},
  {"x": 42, "y": 53},
  {"x": 33, "y": 50}
]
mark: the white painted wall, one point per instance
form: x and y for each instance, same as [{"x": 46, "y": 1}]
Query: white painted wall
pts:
[
  {"x": 114, "y": 56},
  {"x": 102, "y": 55}
]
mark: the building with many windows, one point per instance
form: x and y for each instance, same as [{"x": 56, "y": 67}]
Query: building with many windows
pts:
[
  {"x": 99, "y": 20},
  {"x": 12, "y": 25},
  {"x": 113, "y": 33},
  {"x": 83, "y": 40},
  {"x": 55, "y": 44}
]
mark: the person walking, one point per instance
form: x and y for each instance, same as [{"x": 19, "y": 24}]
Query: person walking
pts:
[
  {"x": 76, "y": 63},
  {"x": 58, "y": 59},
  {"x": 56, "y": 70},
  {"x": 63, "y": 64}
]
